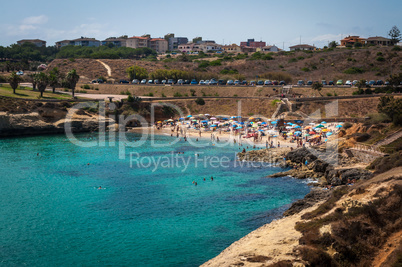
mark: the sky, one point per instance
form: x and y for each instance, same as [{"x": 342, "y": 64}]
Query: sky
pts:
[{"x": 277, "y": 22}]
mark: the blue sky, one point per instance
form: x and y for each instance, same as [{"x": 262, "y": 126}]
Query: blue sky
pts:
[{"x": 279, "y": 22}]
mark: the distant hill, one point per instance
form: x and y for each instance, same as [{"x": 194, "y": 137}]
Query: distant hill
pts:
[{"x": 371, "y": 63}]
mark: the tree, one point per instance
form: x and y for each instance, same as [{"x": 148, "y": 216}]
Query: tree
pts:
[
  {"x": 317, "y": 86},
  {"x": 14, "y": 80},
  {"x": 72, "y": 79},
  {"x": 54, "y": 78},
  {"x": 395, "y": 34},
  {"x": 395, "y": 80},
  {"x": 33, "y": 79},
  {"x": 333, "y": 44},
  {"x": 392, "y": 108},
  {"x": 43, "y": 81},
  {"x": 136, "y": 72}
]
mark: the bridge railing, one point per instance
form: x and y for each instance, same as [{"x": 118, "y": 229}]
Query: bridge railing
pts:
[{"x": 366, "y": 147}]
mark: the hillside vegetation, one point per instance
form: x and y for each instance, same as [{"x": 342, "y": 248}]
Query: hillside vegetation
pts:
[{"x": 371, "y": 63}]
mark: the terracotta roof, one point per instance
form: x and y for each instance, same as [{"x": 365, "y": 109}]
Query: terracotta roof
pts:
[
  {"x": 139, "y": 37},
  {"x": 157, "y": 39},
  {"x": 378, "y": 38},
  {"x": 85, "y": 39}
]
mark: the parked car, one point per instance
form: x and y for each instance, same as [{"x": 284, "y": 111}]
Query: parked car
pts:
[
  {"x": 324, "y": 82},
  {"x": 380, "y": 82},
  {"x": 202, "y": 82},
  {"x": 275, "y": 83},
  {"x": 237, "y": 82},
  {"x": 372, "y": 82},
  {"x": 230, "y": 82},
  {"x": 339, "y": 82},
  {"x": 221, "y": 82},
  {"x": 213, "y": 82},
  {"x": 244, "y": 82},
  {"x": 206, "y": 82},
  {"x": 331, "y": 83},
  {"x": 186, "y": 81},
  {"x": 268, "y": 82},
  {"x": 386, "y": 83},
  {"x": 150, "y": 81},
  {"x": 355, "y": 82},
  {"x": 171, "y": 81},
  {"x": 194, "y": 81},
  {"x": 309, "y": 82},
  {"x": 156, "y": 81},
  {"x": 300, "y": 82},
  {"x": 164, "y": 81},
  {"x": 252, "y": 83},
  {"x": 282, "y": 83},
  {"x": 348, "y": 82},
  {"x": 135, "y": 81},
  {"x": 144, "y": 81},
  {"x": 20, "y": 72},
  {"x": 180, "y": 81},
  {"x": 123, "y": 81}
]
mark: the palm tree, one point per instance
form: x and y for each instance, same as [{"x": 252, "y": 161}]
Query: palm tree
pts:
[
  {"x": 14, "y": 80},
  {"x": 54, "y": 78},
  {"x": 72, "y": 79},
  {"x": 43, "y": 81}
]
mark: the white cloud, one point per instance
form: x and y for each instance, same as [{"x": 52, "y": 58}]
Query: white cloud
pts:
[
  {"x": 42, "y": 19},
  {"x": 26, "y": 27},
  {"x": 327, "y": 37}
]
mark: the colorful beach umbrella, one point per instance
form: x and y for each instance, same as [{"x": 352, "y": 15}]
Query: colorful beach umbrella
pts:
[
  {"x": 323, "y": 122},
  {"x": 338, "y": 126},
  {"x": 274, "y": 122},
  {"x": 320, "y": 126}
]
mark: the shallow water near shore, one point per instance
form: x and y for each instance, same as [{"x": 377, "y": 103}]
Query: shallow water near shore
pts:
[{"x": 53, "y": 214}]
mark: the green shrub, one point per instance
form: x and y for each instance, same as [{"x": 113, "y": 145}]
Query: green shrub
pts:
[
  {"x": 124, "y": 92},
  {"x": 85, "y": 86},
  {"x": 292, "y": 60},
  {"x": 329, "y": 94},
  {"x": 353, "y": 70},
  {"x": 203, "y": 64},
  {"x": 163, "y": 95},
  {"x": 380, "y": 59},
  {"x": 177, "y": 94},
  {"x": 396, "y": 48},
  {"x": 305, "y": 69},
  {"x": 300, "y": 58},
  {"x": 215, "y": 63},
  {"x": 200, "y": 101}
]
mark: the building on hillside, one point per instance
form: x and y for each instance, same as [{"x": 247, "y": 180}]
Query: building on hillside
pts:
[
  {"x": 37, "y": 42},
  {"x": 253, "y": 43},
  {"x": 174, "y": 42},
  {"x": 158, "y": 44},
  {"x": 378, "y": 40},
  {"x": 303, "y": 47},
  {"x": 83, "y": 41},
  {"x": 116, "y": 41},
  {"x": 351, "y": 40},
  {"x": 209, "y": 47},
  {"x": 138, "y": 41},
  {"x": 233, "y": 48},
  {"x": 268, "y": 48},
  {"x": 248, "y": 49},
  {"x": 189, "y": 47}
]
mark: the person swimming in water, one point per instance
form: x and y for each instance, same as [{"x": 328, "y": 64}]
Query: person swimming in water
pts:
[
  {"x": 212, "y": 178},
  {"x": 100, "y": 187}
]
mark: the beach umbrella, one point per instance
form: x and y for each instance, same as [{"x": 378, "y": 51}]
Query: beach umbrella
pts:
[
  {"x": 323, "y": 122},
  {"x": 311, "y": 123},
  {"x": 170, "y": 120},
  {"x": 338, "y": 126},
  {"x": 288, "y": 127},
  {"x": 320, "y": 126},
  {"x": 311, "y": 132},
  {"x": 189, "y": 116},
  {"x": 207, "y": 115},
  {"x": 233, "y": 117},
  {"x": 297, "y": 132},
  {"x": 239, "y": 127},
  {"x": 260, "y": 130},
  {"x": 263, "y": 123},
  {"x": 328, "y": 134},
  {"x": 325, "y": 130},
  {"x": 307, "y": 127},
  {"x": 242, "y": 123},
  {"x": 213, "y": 118},
  {"x": 306, "y": 135},
  {"x": 181, "y": 119},
  {"x": 289, "y": 134},
  {"x": 214, "y": 125},
  {"x": 274, "y": 122},
  {"x": 325, "y": 140},
  {"x": 251, "y": 118}
]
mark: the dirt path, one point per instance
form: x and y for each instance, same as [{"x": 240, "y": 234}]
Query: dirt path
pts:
[
  {"x": 109, "y": 70},
  {"x": 387, "y": 249}
]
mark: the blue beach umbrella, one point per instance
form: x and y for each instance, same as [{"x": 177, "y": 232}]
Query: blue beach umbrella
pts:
[
  {"x": 297, "y": 132},
  {"x": 263, "y": 123},
  {"x": 338, "y": 126},
  {"x": 274, "y": 122},
  {"x": 242, "y": 123},
  {"x": 323, "y": 122},
  {"x": 181, "y": 119},
  {"x": 204, "y": 121},
  {"x": 297, "y": 126},
  {"x": 239, "y": 127},
  {"x": 189, "y": 116},
  {"x": 328, "y": 134},
  {"x": 214, "y": 125}
]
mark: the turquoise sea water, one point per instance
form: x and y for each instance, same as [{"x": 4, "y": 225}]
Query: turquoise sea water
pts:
[{"x": 53, "y": 214}]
